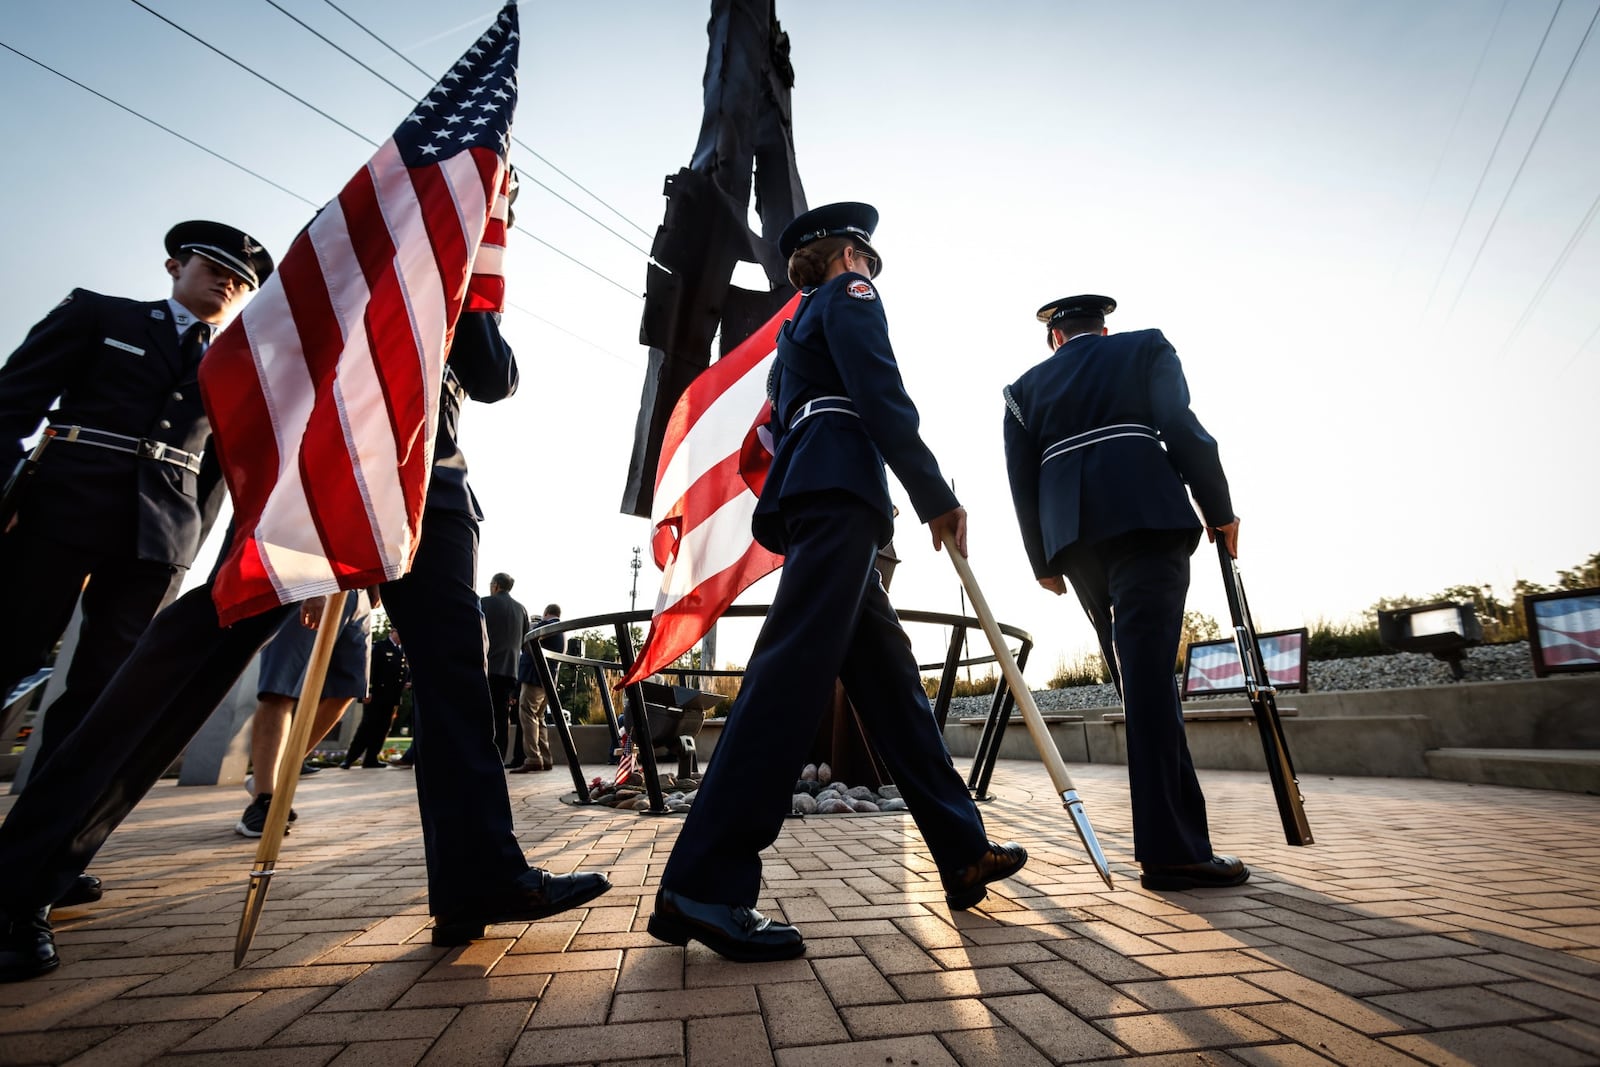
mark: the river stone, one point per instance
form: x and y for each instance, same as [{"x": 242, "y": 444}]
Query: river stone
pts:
[
  {"x": 809, "y": 774},
  {"x": 863, "y": 805},
  {"x": 833, "y": 806},
  {"x": 860, "y": 792},
  {"x": 804, "y": 804},
  {"x": 889, "y": 792},
  {"x": 892, "y": 804},
  {"x": 824, "y": 773}
]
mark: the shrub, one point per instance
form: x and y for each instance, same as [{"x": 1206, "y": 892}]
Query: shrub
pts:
[{"x": 1087, "y": 668}]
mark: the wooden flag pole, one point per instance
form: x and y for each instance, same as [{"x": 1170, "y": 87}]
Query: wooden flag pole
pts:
[
  {"x": 1030, "y": 710},
  {"x": 305, "y": 713}
]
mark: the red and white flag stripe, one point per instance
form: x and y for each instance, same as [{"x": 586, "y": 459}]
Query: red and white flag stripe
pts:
[{"x": 703, "y": 506}]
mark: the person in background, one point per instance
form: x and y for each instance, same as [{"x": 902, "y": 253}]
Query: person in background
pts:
[
  {"x": 532, "y": 699},
  {"x": 506, "y": 622},
  {"x": 387, "y": 681}
]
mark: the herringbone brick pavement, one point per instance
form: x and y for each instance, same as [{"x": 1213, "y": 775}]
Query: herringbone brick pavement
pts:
[{"x": 1433, "y": 922}]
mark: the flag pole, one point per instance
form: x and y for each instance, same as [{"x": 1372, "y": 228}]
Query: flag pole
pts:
[
  {"x": 1048, "y": 753},
  {"x": 289, "y": 763}
]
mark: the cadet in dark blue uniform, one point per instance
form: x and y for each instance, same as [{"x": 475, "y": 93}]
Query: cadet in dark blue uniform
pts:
[
  {"x": 1102, "y": 502},
  {"x": 388, "y": 679},
  {"x": 839, "y": 413},
  {"x": 125, "y": 499},
  {"x": 185, "y": 664}
]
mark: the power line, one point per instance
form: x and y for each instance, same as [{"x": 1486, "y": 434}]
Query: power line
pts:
[
  {"x": 530, "y": 150},
  {"x": 1549, "y": 108},
  {"x": 1493, "y": 152},
  {"x": 1449, "y": 141},
  {"x": 306, "y": 103},
  {"x": 1561, "y": 261},
  {"x": 576, "y": 337},
  {"x": 250, "y": 70},
  {"x": 411, "y": 96},
  {"x": 281, "y": 188},
  {"x": 165, "y": 129}
]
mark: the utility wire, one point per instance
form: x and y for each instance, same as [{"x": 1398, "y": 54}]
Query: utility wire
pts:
[
  {"x": 407, "y": 59},
  {"x": 159, "y": 126},
  {"x": 252, "y": 71},
  {"x": 1493, "y": 152},
  {"x": 1449, "y": 142},
  {"x": 283, "y": 188},
  {"x": 1586, "y": 343},
  {"x": 1549, "y": 108},
  {"x": 632, "y": 364},
  {"x": 411, "y": 96},
  {"x": 1544, "y": 286}
]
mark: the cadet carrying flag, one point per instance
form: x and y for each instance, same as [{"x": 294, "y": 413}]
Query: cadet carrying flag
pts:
[
  {"x": 324, "y": 393},
  {"x": 703, "y": 504}
]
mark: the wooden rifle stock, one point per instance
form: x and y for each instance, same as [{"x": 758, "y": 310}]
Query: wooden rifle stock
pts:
[{"x": 1263, "y": 702}]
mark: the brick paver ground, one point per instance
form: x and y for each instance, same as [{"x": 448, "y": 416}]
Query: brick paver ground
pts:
[{"x": 1432, "y": 922}]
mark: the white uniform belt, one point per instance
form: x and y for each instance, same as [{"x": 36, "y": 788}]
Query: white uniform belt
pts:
[
  {"x": 1095, "y": 436},
  {"x": 143, "y": 447},
  {"x": 842, "y": 404}
]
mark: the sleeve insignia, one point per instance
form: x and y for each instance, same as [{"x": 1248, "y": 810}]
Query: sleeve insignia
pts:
[
  {"x": 66, "y": 300},
  {"x": 1011, "y": 406},
  {"x": 862, "y": 290}
]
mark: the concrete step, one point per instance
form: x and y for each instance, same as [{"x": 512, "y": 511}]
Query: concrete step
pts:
[{"x": 1570, "y": 770}]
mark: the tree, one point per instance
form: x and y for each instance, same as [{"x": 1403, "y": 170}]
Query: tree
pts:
[{"x": 1197, "y": 627}]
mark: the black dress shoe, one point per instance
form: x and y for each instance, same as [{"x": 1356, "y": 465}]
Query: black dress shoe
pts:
[
  {"x": 730, "y": 930},
  {"x": 85, "y": 889},
  {"x": 536, "y": 894},
  {"x": 27, "y": 946},
  {"x": 966, "y": 887},
  {"x": 1215, "y": 873}
]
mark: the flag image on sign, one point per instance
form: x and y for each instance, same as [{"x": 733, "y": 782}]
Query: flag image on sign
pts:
[
  {"x": 1214, "y": 667},
  {"x": 703, "y": 503},
  {"x": 323, "y": 394}
]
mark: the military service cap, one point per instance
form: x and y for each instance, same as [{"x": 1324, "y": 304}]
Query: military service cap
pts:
[
  {"x": 846, "y": 219},
  {"x": 1076, "y": 307},
  {"x": 221, "y": 244}
]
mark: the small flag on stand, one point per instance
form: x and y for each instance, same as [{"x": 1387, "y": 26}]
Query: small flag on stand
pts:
[{"x": 625, "y": 761}]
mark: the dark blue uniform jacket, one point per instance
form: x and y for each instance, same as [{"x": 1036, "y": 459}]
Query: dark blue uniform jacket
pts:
[
  {"x": 838, "y": 345},
  {"x": 115, "y": 365},
  {"x": 1119, "y": 485}
]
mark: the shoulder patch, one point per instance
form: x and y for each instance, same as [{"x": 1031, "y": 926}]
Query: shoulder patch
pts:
[
  {"x": 67, "y": 299},
  {"x": 862, "y": 290},
  {"x": 1011, "y": 406}
]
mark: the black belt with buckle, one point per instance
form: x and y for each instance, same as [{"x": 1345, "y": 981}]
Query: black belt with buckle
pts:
[{"x": 143, "y": 447}]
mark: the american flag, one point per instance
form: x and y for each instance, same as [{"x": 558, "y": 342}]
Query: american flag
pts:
[
  {"x": 703, "y": 503},
  {"x": 1214, "y": 667},
  {"x": 324, "y": 393},
  {"x": 624, "y": 762},
  {"x": 1569, "y": 630}
]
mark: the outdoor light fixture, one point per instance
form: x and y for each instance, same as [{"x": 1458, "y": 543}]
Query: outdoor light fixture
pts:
[
  {"x": 1564, "y": 631},
  {"x": 1444, "y": 629}
]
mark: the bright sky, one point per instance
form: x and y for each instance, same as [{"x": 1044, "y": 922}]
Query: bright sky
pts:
[{"x": 1366, "y": 226}]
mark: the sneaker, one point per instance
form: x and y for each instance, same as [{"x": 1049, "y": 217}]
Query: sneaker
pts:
[
  {"x": 254, "y": 819},
  {"x": 250, "y": 787}
]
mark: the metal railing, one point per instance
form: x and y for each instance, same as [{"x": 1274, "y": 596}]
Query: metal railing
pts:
[{"x": 638, "y": 712}]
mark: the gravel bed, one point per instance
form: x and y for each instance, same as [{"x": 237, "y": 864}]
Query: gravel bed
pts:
[{"x": 1489, "y": 663}]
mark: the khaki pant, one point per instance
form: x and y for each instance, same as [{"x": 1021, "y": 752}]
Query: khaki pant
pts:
[{"x": 535, "y": 737}]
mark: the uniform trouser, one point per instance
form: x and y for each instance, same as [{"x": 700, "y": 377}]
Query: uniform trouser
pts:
[
  {"x": 184, "y": 666},
  {"x": 376, "y": 715},
  {"x": 1133, "y": 589},
  {"x": 829, "y": 619},
  {"x": 507, "y": 736},
  {"x": 40, "y": 581},
  {"x": 535, "y": 738}
]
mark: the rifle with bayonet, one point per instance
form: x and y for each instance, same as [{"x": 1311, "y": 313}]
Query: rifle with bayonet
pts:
[
  {"x": 1263, "y": 702},
  {"x": 11, "y": 498}
]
